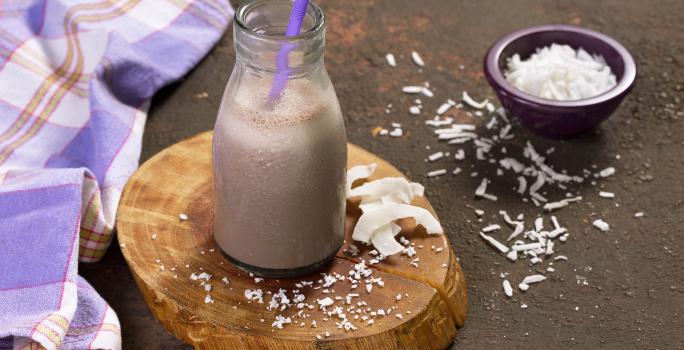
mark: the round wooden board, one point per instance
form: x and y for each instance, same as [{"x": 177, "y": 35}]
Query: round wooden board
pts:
[{"x": 178, "y": 180}]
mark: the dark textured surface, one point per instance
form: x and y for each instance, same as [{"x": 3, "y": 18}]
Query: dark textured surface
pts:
[{"x": 635, "y": 273}]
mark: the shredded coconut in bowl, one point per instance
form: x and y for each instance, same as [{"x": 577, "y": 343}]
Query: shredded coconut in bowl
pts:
[{"x": 561, "y": 73}]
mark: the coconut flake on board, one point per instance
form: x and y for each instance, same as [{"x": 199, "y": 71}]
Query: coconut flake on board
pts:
[
  {"x": 383, "y": 240},
  {"x": 397, "y": 188},
  {"x": 371, "y": 221},
  {"x": 384, "y": 201},
  {"x": 359, "y": 172}
]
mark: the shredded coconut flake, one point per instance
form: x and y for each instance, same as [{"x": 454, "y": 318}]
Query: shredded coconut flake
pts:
[
  {"x": 558, "y": 72},
  {"x": 507, "y": 288},
  {"x": 604, "y": 194},
  {"x": 601, "y": 225},
  {"x": 607, "y": 172},
  {"x": 391, "y": 61},
  {"x": 417, "y": 59},
  {"x": 472, "y": 103}
]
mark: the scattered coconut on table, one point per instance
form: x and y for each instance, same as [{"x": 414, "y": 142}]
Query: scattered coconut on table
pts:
[
  {"x": 391, "y": 61},
  {"x": 436, "y": 156},
  {"x": 601, "y": 225},
  {"x": 417, "y": 59},
  {"x": 604, "y": 194},
  {"x": 386, "y": 200}
]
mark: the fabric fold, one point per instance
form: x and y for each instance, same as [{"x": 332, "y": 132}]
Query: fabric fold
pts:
[{"x": 76, "y": 77}]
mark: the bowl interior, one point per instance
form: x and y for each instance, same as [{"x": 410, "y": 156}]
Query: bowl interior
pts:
[{"x": 527, "y": 44}]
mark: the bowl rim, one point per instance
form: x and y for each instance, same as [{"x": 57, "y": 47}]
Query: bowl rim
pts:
[{"x": 495, "y": 76}]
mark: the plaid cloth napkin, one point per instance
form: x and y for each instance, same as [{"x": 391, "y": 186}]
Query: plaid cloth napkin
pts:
[{"x": 76, "y": 77}]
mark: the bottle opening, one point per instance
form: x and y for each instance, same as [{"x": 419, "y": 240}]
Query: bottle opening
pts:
[{"x": 267, "y": 19}]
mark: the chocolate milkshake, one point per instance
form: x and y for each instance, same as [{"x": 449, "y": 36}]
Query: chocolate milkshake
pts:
[{"x": 279, "y": 178}]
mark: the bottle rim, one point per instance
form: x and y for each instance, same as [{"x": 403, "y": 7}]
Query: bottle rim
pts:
[{"x": 241, "y": 16}]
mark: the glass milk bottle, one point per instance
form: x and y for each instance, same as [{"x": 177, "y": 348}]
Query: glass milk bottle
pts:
[{"x": 279, "y": 163}]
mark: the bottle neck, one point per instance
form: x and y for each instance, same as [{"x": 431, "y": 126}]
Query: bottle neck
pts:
[{"x": 260, "y": 43}]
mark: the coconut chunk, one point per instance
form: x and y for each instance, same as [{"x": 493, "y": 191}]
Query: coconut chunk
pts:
[
  {"x": 388, "y": 187},
  {"x": 373, "y": 220},
  {"x": 359, "y": 172},
  {"x": 370, "y": 205},
  {"x": 383, "y": 240}
]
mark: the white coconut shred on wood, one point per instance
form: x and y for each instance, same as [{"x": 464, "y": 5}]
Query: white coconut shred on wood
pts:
[{"x": 384, "y": 201}]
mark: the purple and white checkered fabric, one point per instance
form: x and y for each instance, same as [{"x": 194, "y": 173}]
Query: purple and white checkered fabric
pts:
[{"x": 76, "y": 77}]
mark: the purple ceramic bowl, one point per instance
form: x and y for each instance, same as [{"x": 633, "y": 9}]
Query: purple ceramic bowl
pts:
[{"x": 551, "y": 118}]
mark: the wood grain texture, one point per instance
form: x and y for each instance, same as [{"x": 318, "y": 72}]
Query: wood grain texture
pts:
[{"x": 178, "y": 180}]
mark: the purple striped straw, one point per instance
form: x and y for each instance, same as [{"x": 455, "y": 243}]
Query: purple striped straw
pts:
[{"x": 294, "y": 26}]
